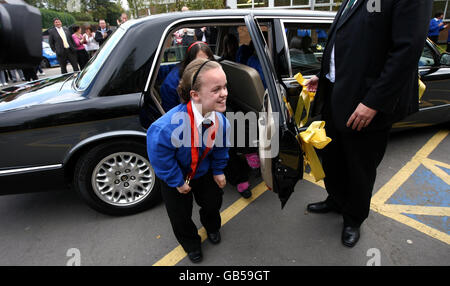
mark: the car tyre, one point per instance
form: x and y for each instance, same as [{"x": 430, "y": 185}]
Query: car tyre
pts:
[
  {"x": 45, "y": 64},
  {"x": 100, "y": 178}
]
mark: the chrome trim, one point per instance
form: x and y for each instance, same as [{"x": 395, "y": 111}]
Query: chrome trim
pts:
[
  {"x": 30, "y": 169},
  {"x": 97, "y": 137},
  {"x": 288, "y": 55}
]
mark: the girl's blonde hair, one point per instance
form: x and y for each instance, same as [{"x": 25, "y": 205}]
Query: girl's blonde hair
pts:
[{"x": 185, "y": 86}]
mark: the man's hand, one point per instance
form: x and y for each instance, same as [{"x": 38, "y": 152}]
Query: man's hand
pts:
[
  {"x": 312, "y": 83},
  {"x": 220, "y": 180},
  {"x": 361, "y": 117},
  {"x": 184, "y": 189}
]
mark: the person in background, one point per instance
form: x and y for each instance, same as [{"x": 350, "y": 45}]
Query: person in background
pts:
[
  {"x": 203, "y": 34},
  {"x": 123, "y": 19},
  {"x": 448, "y": 41},
  {"x": 61, "y": 42},
  {"x": 12, "y": 75},
  {"x": 168, "y": 90},
  {"x": 80, "y": 41},
  {"x": 436, "y": 26},
  {"x": 91, "y": 44},
  {"x": 230, "y": 47},
  {"x": 2, "y": 78},
  {"x": 185, "y": 170},
  {"x": 102, "y": 33}
]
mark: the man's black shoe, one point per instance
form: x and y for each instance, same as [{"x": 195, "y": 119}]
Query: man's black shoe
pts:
[
  {"x": 350, "y": 236},
  {"x": 214, "y": 237},
  {"x": 321, "y": 207},
  {"x": 195, "y": 256}
]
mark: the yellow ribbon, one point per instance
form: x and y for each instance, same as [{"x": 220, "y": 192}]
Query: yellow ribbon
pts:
[
  {"x": 314, "y": 137},
  {"x": 422, "y": 88},
  {"x": 304, "y": 102}
]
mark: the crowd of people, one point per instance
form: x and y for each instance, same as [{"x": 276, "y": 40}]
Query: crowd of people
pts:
[{"x": 75, "y": 45}]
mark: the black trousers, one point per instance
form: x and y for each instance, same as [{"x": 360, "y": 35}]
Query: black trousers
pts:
[
  {"x": 237, "y": 170},
  {"x": 350, "y": 163},
  {"x": 83, "y": 58},
  {"x": 67, "y": 55},
  {"x": 208, "y": 196}
]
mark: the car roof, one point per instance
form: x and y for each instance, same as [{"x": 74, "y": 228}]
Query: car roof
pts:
[{"x": 258, "y": 12}]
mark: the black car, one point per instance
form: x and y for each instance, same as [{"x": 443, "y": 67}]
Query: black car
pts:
[{"x": 88, "y": 129}]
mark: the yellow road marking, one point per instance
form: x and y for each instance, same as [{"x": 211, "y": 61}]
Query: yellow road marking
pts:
[
  {"x": 398, "y": 179},
  {"x": 176, "y": 255},
  {"x": 408, "y": 209},
  {"x": 378, "y": 200},
  {"x": 396, "y": 212}
]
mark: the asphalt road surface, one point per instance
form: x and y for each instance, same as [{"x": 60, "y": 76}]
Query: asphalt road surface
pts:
[{"x": 408, "y": 223}]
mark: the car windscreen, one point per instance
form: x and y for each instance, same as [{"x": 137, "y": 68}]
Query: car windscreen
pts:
[{"x": 94, "y": 65}]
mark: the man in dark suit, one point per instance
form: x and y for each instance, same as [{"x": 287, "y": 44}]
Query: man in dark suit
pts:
[
  {"x": 61, "y": 42},
  {"x": 368, "y": 81},
  {"x": 102, "y": 33}
]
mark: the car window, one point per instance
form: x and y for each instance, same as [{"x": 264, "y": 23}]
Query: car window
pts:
[
  {"x": 94, "y": 65},
  {"x": 306, "y": 44},
  {"x": 180, "y": 40},
  {"x": 427, "y": 57}
]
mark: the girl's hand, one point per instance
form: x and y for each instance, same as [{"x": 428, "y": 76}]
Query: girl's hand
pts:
[
  {"x": 184, "y": 189},
  {"x": 220, "y": 180}
]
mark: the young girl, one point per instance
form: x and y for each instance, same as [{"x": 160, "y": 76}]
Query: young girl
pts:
[
  {"x": 168, "y": 90},
  {"x": 188, "y": 171}
]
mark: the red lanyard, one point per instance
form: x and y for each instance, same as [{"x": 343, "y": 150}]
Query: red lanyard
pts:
[{"x": 195, "y": 160}]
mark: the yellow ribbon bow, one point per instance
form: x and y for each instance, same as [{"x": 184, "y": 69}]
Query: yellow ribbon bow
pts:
[{"x": 314, "y": 137}]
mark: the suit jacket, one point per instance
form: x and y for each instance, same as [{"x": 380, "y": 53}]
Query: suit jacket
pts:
[
  {"x": 376, "y": 56},
  {"x": 99, "y": 37},
  {"x": 199, "y": 33},
  {"x": 56, "y": 43}
]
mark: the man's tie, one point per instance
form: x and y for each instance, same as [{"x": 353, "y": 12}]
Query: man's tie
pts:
[{"x": 62, "y": 34}]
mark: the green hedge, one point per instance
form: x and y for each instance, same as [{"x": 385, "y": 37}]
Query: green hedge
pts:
[{"x": 48, "y": 16}]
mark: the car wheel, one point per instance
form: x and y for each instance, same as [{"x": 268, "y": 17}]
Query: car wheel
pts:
[
  {"x": 45, "y": 64},
  {"x": 116, "y": 178}
]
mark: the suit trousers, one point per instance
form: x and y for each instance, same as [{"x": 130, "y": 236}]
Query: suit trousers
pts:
[
  {"x": 68, "y": 55},
  {"x": 350, "y": 163},
  {"x": 208, "y": 196}
]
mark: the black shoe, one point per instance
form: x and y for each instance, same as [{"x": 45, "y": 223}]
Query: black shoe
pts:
[
  {"x": 350, "y": 236},
  {"x": 246, "y": 194},
  {"x": 214, "y": 237},
  {"x": 321, "y": 207},
  {"x": 195, "y": 256}
]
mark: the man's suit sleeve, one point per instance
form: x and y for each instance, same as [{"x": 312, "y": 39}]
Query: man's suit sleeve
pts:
[
  {"x": 51, "y": 41},
  {"x": 98, "y": 37},
  {"x": 409, "y": 29}
]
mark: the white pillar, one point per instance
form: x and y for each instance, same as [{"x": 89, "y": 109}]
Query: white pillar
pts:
[{"x": 271, "y": 3}]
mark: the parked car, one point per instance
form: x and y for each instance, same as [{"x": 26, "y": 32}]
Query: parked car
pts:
[
  {"x": 48, "y": 56},
  {"x": 88, "y": 129}
]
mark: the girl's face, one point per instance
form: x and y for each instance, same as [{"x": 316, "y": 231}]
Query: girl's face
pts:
[{"x": 212, "y": 94}]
